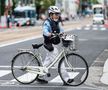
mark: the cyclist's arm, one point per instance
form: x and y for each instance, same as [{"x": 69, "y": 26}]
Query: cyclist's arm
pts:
[
  {"x": 61, "y": 29},
  {"x": 47, "y": 29}
]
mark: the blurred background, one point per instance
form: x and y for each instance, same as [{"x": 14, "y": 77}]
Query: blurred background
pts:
[{"x": 28, "y": 12}]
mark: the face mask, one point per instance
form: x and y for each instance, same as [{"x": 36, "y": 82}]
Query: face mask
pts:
[{"x": 55, "y": 20}]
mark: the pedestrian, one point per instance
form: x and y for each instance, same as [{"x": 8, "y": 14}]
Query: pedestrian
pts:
[
  {"x": 60, "y": 20},
  {"x": 50, "y": 26},
  {"x": 8, "y": 21}
]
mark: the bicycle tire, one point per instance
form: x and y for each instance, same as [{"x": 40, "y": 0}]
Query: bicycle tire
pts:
[
  {"x": 19, "y": 67},
  {"x": 76, "y": 68}
]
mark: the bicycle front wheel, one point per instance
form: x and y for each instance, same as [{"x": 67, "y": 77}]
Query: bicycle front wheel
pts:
[
  {"x": 22, "y": 65},
  {"x": 75, "y": 68}
]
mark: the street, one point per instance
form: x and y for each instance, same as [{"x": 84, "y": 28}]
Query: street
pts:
[{"x": 93, "y": 40}]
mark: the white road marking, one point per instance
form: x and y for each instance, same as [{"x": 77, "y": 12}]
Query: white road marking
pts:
[
  {"x": 88, "y": 25},
  {"x": 103, "y": 29},
  {"x": 5, "y": 66},
  {"x": 58, "y": 79},
  {"x": 25, "y": 77},
  {"x": 19, "y": 41},
  {"x": 95, "y": 28},
  {"x": 95, "y": 25},
  {"x": 101, "y": 25},
  {"x": 4, "y": 72},
  {"x": 79, "y": 28},
  {"x": 87, "y": 28}
]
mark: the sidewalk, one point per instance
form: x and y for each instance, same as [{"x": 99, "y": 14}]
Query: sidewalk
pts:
[{"x": 104, "y": 78}]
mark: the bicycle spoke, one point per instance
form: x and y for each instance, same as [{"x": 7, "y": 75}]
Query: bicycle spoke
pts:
[
  {"x": 22, "y": 67},
  {"x": 75, "y": 67}
]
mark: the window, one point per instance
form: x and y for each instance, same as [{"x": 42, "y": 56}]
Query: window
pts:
[
  {"x": 18, "y": 14},
  {"x": 98, "y": 10}
]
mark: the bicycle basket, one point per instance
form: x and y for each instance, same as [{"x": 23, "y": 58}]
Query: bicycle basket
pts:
[
  {"x": 70, "y": 41},
  {"x": 66, "y": 43}
]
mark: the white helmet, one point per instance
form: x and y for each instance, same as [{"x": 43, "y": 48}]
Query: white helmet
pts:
[{"x": 53, "y": 9}]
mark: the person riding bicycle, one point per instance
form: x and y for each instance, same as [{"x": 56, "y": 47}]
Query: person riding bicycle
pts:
[{"x": 51, "y": 25}]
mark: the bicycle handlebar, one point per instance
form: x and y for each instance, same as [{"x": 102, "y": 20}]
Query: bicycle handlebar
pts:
[{"x": 61, "y": 35}]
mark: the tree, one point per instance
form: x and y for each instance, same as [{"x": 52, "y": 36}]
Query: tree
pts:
[
  {"x": 42, "y": 6},
  {"x": 94, "y": 1},
  {"x": 2, "y": 6}
]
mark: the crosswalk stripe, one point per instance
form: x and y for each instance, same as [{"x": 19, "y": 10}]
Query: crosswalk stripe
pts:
[
  {"x": 95, "y": 28},
  {"x": 5, "y": 66},
  {"x": 58, "y": 79},
  {"x": 103, "y": 29},
  {"x": 79, "y": 28},
  {"x": 92, "y": 27},
  {"x": 87, "y": 28},
  {"x": 25, "y": 77},
  {"x": 4, "y": 72}
]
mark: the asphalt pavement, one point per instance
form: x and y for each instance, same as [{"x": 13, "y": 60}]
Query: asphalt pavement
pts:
[{"x": 98, "y": 75}]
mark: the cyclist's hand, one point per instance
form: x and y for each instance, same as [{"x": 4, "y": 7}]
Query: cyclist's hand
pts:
[
  {"x": 62, "y": 34},
  {"x": 49, "y": 34}
]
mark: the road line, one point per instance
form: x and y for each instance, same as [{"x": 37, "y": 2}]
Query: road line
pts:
[
  {"x": 87, "y": 28},
  {"x": 58, "y": 79},
  {"x": 19, "y": 41},
  {"x": 103, "y": 29},
  {"x": 94, "y": 28},
  {"x": 4, "y": 72},
  {"x": 25, "y": 77},
  {"x": 5, "y": 66}
]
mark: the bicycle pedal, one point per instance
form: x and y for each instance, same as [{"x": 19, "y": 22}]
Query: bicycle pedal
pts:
[{"x": 48, "y": 75}]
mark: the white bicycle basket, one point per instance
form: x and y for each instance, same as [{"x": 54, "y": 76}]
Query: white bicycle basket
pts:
[{"x": 71, "y": 42}]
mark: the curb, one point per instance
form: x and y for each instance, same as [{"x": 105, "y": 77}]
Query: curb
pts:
[
  {"x": 96, "y": 71},
  {"x": 104, "y": 78}
]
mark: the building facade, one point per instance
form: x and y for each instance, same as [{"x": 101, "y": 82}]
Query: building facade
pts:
[{"x": 68, "y": 7}]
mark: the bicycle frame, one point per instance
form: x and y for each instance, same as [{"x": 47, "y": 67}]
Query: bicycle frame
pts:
[{"x": 42, "y": 70}]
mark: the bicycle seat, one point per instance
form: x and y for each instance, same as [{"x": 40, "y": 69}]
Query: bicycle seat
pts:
[{"x": 36, "y": 46}]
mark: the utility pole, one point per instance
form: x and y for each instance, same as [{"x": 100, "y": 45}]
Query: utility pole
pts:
[
  {"x": 0, "y": 10},
  {"x": 106, "y": 8}
]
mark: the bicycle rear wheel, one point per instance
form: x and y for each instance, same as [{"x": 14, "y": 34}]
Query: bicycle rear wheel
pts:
[
  {"x": 76, "y": 68},
  {"x": 21, "y": 67}
]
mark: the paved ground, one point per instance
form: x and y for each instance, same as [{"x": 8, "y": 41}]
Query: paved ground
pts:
[{"x": 96, "y": 70}]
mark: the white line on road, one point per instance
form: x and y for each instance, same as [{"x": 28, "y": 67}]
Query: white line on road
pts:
[
  {"x": 5, "y": 66},
  {"x": 58, "y": 79},
  {"x": 4, "y": 72},
  {"x": 19, "y": 41}
]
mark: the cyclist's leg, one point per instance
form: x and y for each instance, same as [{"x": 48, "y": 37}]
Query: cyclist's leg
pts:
[
  {"x": 50, "y": 51},
  {"x": 64, "y": 72},
  {"x": 50, "y": 55},
  {"x": 77, "y": 68}
]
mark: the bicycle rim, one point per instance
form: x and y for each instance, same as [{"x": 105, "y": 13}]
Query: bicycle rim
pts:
[
  {"x": 76, "y": 69},
  {"x": 19, "y": 67}
]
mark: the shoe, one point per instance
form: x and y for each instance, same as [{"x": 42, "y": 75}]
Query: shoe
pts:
[
  {"x": 65, "y": 84},
  {"x": 42, "y": 81},
  {"x": 68, "y": 81}
]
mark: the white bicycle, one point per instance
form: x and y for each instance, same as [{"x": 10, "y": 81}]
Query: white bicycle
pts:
[{"x": 26, "y": 66}]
